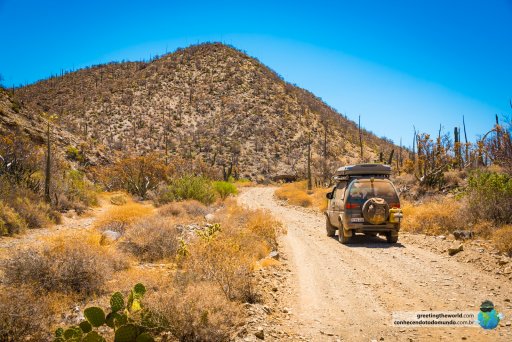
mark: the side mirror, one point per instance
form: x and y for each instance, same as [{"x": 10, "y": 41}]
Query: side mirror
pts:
[{"x": 328, "y": 195}]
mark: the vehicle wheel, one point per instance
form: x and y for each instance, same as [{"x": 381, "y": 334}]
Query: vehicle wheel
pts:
[
  {"x": 391, "y": 238},
  {"x": 341, "y": 236},
  {"x": 331, "y": 230}
]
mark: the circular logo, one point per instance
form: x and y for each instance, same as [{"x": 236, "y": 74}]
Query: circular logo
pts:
[{"x": 488, "y": 318}]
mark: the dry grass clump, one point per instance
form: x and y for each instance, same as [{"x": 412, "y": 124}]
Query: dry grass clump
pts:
[
  {"x": 454, "y": 178},
  {"x": 294, "y": 196},
  {"x": 199, "y": 312},
  {"x": 244, "y": 183},
  {"x": 437, "y": 216},
  {"x": 223, "y": 260},
  {"x": 152, "y": 239},
  {"x": 503, "y": 239},
  {"x": 10, "y": 222},
  {"x": 120, "y": 217},
  {"x": 265, "y": 226},
  {"x": 36, "y": 214},
  {"x": 64, "y": 264},
  {"x": 119, "y": 199},
  {"x": 297, "y": 194},
  {"x": 189, "y": 208},
  {"x": 24, "y": 315}
]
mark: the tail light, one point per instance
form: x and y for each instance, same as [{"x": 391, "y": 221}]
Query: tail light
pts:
[
  {"x": 394, "y": 205},
  {"x": 352, "y": 206}
]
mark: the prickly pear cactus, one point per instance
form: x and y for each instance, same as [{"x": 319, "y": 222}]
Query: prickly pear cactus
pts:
[
  {"x": 95, "y": 316},
  {"x": 93, "y": 336},
  {"x": 139, "y": 289},
  {"x": 126, "y": 333},
  {"x": 117, "y": 302},
  {"x": 145, "y": 337},
  {"x": 73, "y": 333},
  {"x": 135, "y": 297},
  {"x": 129, "y": 322},
  {"x": 85, "y": 326}
]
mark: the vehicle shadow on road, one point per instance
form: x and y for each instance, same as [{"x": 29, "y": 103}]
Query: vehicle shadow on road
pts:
[{"x": 364, "y": 241}]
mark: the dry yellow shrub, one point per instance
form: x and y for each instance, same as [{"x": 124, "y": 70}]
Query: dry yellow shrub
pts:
[
  {"x": 297, "y": 194},
  {"x": 120, "y": 217},
  {"x": 67, "y": 263},
  {"x": 229, "y": 256},
  {"x": 24, "y": 315},
  {"x": 503, "y": 239},
  {"x": 263, "y": 224},
  {"x": 438, "y": 216},
  {"x": 268, "y": 262},
  {"x": 184, "y": 209},
  {"x": 198, "y": 312}
]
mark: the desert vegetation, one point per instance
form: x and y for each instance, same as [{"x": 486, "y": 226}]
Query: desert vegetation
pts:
[
  {"x": 24, "y": 188},
  {"x": 297, "y": 194},
  {"x": 446, "y": 185},
  {"x": 210, "y": 251},
  {"x": 208, "y": 102}
]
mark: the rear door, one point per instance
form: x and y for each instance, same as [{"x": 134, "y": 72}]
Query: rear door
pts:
[{"x": 336, "y": 204}]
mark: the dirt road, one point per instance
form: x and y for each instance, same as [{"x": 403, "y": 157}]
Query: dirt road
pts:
[{"x": 348, "y": 292}]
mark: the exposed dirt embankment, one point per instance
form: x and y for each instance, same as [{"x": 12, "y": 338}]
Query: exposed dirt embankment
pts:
[{"x": 333, "y": 292}]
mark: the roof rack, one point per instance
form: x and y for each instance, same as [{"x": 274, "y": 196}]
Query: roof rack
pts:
[{"x": 366, "y": 170}]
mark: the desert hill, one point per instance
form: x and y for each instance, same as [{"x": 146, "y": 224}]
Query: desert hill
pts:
[{"x": 208, "y": 101}]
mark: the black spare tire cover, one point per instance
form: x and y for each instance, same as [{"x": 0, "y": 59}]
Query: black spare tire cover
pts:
[{"x": 375, "y": 210}]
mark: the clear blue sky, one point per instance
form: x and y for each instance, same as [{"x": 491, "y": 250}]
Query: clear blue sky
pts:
[{"x": 395, "y": 63}]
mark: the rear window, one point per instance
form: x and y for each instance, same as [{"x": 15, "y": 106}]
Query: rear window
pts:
[{"x": 364, "y": 189}]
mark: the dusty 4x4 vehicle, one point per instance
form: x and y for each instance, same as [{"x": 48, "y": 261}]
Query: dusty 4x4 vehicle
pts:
[{"x": 363, "y": 201}]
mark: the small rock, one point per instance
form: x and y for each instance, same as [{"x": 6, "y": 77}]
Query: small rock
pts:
[
  {"x": 441, "y": 237},
  {"x": 454, "y": 250},
  {"x": 209, "y": 217},
  {"x": 109, "y": 236},
  {"x": 242, "y": 332},
  {"x": 274, "y": 255},
  {"x": 260, "y": 334},
  {"x": 503, "y": 261},
  {"x": 463, "y": 234},
  {"x": 508, "y": 324}
]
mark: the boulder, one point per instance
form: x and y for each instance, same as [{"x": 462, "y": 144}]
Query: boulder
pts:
[
  {"x": 209, "y": 217},
  {"x": 454, "y": 250},
  {"x": 109, "y": 237}
]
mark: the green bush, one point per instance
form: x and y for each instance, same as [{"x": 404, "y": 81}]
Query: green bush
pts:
[
  {"x": 73, "y": 153},
  {"x": 192, "y": 187},
  {"x": 10, "y": 222},
  {"x": 80, "y": 189},
  {"x": 490, "y": 196},
  {"x": 224, "y": 189}
]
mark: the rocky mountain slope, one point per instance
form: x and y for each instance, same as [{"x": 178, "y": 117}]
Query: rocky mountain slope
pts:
[{"x": 208, "y": 101}]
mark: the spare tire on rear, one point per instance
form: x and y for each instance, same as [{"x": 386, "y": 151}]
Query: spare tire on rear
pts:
[{"x": 375, "y": 210}]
